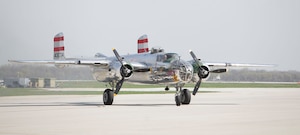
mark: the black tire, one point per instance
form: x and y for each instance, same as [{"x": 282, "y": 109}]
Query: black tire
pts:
[
  {"x": 185, "y": 96},
  {"x": 178, "y": 100},
  {"x": 108, "y": 97}
]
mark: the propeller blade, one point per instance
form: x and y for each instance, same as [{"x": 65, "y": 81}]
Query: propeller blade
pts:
[
  {"x": 125, "y": 69},
  {"x": 222, "y": 70},
  {"x": 200, "y": 72},
  {"x": 196, "y": 59},
  {"x": 119, "y": 85},
  {"x": 120, "y": 59},
  {"x": 197, "y": 86}
]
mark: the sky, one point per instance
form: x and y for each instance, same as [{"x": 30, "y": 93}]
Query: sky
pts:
[{"x": 237, "y": 31}]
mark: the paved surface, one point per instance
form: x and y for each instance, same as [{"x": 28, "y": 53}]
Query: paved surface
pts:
[{"x": 228, "y": 112}]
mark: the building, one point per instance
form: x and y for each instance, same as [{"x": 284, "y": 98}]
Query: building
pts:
[
  {"x": 50, "y": 83},
  {"x": 29, "y": 82},
  {"x": 16, "y": 82}
]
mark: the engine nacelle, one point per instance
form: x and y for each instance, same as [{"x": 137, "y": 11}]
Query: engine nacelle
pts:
[
  {"x": 116, "y": 71},
  {"x": 205, "y": 73}
]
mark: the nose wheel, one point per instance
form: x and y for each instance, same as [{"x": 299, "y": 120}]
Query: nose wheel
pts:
[
  {"x": 182, "y": 97},
  {"x": 178, "y": 100}
]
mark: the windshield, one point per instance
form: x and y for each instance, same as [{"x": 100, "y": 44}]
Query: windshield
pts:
[{"x": 167, "y": 58}]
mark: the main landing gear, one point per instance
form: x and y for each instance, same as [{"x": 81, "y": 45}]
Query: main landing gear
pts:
[
  {"x": 108, "y": 97},
  {"x": 182, "y": 96},
  {"x": 126, "y": 71},
  {"x": 108, "y": 94}
]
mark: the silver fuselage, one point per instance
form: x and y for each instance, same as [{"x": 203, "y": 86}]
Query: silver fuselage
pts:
[{"x": 148, "y": 68}]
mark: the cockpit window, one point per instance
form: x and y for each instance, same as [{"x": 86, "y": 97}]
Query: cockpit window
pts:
[{"x": 167, "y": 58}]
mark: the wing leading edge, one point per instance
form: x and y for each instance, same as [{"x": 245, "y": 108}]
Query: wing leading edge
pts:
[
  {"x": 102, "y": 62},
  {"x": 226, "y": 64}
]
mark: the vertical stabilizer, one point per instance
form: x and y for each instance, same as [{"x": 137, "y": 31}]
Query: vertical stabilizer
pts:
[
  {"x": 59, "y": 48},
  {"x": 143, "y": 44}
]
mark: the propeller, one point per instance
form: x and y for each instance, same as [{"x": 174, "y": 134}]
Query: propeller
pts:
[
  {"x": 125, "y": 71},
  {"x": 203, "y": 72}
]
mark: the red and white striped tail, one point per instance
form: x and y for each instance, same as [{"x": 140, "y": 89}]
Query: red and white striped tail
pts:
[
  {"x": 143, "y": 44},
  {"x": 59, "y": 48}
]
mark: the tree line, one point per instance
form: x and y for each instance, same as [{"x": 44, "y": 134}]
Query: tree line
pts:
[
  {"x": 258, "y": 76},
  {"x": 85, "y": 73},
  {"x": 45, "y": 71}
]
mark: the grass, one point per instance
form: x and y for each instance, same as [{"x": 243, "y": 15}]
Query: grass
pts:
[
  {"x": 94, "y": 84},
  {"x": 248, "y": 85},
  {"x": 32, "y": 91}
]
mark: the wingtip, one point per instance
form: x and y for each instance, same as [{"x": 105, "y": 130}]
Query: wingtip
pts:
[
  {"x": 11, "y": 60},
  {"x": 15, "y": 61}
]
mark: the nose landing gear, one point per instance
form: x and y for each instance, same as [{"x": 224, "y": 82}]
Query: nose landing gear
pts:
[{"x": 182, "y": 96}]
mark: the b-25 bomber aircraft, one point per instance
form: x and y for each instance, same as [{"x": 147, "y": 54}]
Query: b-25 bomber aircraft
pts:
[{"x": 147, "y": 66}]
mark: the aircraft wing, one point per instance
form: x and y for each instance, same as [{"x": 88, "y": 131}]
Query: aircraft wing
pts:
[
  {"x": 226, "y": 64},
  {"x": 138, "y": 67},
  {"x": 88, "y": 62}
]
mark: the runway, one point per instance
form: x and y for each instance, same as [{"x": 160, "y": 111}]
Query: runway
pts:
[{"x": 240, "y": 111}]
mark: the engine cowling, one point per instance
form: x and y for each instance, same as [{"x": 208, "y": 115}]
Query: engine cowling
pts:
[
  {"x": 126, "y": 71},
  {"x": 197, "y": 73},
  {"x": 204, "y": 72}
]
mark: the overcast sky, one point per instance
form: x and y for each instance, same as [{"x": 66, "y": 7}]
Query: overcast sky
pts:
[{"x": 240, "y": 31}]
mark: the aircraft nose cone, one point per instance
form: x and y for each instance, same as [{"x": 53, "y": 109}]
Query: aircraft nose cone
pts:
[{"x": 185, "y": 70}]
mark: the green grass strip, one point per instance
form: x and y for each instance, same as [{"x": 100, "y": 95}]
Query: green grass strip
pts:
[
  {"x": 30, "y": 92},
  {"x": 94, "y": 84}
]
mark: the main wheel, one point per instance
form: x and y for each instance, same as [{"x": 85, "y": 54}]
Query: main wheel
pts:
[
  {"x": 108, "y": 97},
  {"x": 178, "y": 100},
  {"x": 185, "y": 96}
]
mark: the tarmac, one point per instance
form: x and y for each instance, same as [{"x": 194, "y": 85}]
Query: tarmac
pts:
[{"x": 238, "y": 111}]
